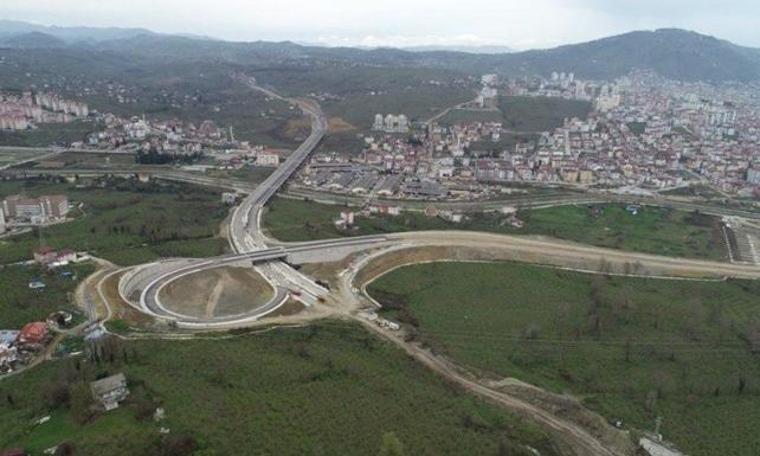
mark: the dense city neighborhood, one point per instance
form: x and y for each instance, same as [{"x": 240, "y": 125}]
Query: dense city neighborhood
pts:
[{"x": 645, "y": 134}]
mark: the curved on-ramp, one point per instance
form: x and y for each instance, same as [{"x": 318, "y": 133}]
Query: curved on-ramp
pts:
[
  {"x": 519, "y": 248},
  {"x": 536, "y": 249}
]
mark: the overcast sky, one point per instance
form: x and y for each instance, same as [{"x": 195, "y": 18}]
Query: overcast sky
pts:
[{"x": 519, "y": 24}]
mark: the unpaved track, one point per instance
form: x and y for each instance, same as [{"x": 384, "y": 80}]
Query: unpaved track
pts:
[
  {"x": 216, "y": 293},
  {"x": 351, "y": 292},
  {"x": 577, "y": 438}
]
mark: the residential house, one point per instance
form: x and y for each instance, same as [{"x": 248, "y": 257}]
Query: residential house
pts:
[
  {"x": 33, "y": 333},
  {"x": 110, "y": 391}
]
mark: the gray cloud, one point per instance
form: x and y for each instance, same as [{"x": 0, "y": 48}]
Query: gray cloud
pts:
[
  {"x": 516, "y": 23},
  {"x": 668, "y": 9}
]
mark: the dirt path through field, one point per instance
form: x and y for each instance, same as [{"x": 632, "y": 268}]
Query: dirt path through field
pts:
[
  {"x": 601, "y": 439},
  {"x": 216, "y": 293},
  {"x": 573, "y": 435}
]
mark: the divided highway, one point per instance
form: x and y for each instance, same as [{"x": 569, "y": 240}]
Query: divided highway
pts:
[
  {"x": 245, "y": 233},
  {"x": 245, "y": 230}
]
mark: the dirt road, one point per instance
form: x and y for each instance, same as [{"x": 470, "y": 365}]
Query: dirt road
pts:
[{"x": 578, "y": 439}]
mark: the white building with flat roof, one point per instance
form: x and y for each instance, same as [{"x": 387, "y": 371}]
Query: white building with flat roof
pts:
[
  {"x": 36, "y": 210},
  {"x": 265, "y": 159},
  {"x": 391, "y": 123}
]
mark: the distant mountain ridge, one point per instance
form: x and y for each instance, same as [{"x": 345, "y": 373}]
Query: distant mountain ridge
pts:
[
  {"x": 469, "y": 49},
  {"x": 32, "y": 40},
  {"x": 673, "y": 53},
  {"x": 71, "y": 34}
]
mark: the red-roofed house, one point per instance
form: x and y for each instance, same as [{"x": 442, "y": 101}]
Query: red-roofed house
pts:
[
  {"x": 32, "y": 333},
  {"x": 64, "y": 257},
  {"x": 13, "y": 452},
  {"x": 53, "y": 257}
]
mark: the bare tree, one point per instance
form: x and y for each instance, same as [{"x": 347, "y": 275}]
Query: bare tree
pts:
[
  {"x": 605, "y": 267},
  {"x": 695, "y": 319},
  {"x": 651, "y": 401},
  {"x": 627, "y": 350},
  {"x": 532, "y": 331},
  {"x": 664, "y": 382},
  {"x": 753, "y": 337},
  {"x": 561, "y": 316}
]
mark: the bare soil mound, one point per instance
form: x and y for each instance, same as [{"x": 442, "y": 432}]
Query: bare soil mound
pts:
[{"x": 217, "y": 293}]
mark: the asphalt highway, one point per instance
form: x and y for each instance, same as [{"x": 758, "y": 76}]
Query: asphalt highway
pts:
[{"x": 245, "y": 231}]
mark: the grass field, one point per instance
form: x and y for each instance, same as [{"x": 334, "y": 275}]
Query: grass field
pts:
[
  {"x": 637, "y": 128},
  {"x": 652, "y": 230},
  {"x": 536, "y": 114},
  {"x": 20, "y": 304},
  {"x": 506, "y": 142},
  {"x": 417, "y": 103},
  {"x": 327, "y": 389},
  {"x": 48, "y": 134},
  {"x": 347, "y": 142},
  {"x": 632, "y": 349},
  {"x": 125, "y": 222},
  {"x": 250, "y": 174},
  {"x": 456, "y": 116},
  {"x": 9, "y": 156},
  {"x": 251, "y": 115},
  {"x": 84, "y": 160},
  {"x": 297, "y": 220}
]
